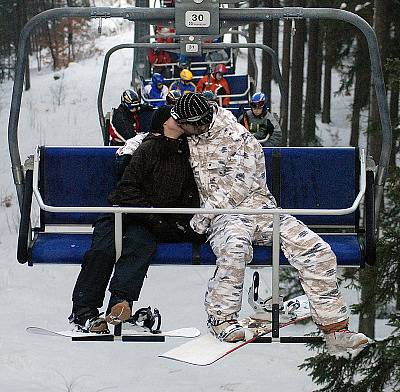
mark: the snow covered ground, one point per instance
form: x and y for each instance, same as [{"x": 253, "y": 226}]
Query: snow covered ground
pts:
[{"x": 63, "y": 111}]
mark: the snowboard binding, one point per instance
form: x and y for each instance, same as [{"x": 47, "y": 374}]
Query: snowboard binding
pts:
[
  {"x": 263, "y": 307},
  {"x": 147, "y": 319}
]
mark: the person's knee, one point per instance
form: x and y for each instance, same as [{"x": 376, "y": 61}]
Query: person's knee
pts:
[
  {"x": 139, "y": 244},
  {"x": 100, "y": 258},
  {"x": 238, "y": 245}
]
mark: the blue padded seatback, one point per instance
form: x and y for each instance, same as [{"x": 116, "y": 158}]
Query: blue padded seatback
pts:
[
  {"x": 199, "y": 71},
  {"x": 76, "y": 176},
  {"x": 238, "y": 85},
  {"x": 309, "y": 178},
  {"x": 318, "y": 177}
]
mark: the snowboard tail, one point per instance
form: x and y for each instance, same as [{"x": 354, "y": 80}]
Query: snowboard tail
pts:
[
  {"x": 134, "y": 335},
  {"x": 207, "y": 349}
]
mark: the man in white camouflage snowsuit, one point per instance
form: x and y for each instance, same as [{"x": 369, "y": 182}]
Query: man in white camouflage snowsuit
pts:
[{"x": 229, "y": 169}]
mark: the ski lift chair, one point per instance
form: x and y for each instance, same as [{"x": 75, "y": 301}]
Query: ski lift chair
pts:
[{"x": 323, "y": 186}]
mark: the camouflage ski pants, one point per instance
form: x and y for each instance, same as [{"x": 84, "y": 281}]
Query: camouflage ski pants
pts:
[{"x": 231, "y": 238}]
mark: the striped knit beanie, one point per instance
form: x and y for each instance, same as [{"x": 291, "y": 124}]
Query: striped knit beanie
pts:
[{"x": 193, "y": 109}]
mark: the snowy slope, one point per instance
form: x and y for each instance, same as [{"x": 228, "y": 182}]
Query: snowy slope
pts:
[{"x": 41, "y": 295}]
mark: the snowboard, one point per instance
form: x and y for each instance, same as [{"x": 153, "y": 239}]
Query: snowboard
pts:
[
  {"x": 131, "y": 334},
  {"x": 207, "y": 349}
]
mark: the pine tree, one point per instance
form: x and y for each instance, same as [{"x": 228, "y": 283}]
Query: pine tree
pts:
[{"x": 377, "y": 368}]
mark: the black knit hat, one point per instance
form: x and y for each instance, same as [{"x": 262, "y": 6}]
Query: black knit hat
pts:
[
  {"x": 160, "y": 116},
  {"x": 193, "y": 109}
]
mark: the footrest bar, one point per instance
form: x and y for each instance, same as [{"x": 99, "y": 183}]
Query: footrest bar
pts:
[
  {"x": 97, "y": 338},
  {"x": 150, "y": 338},
  {"x": 290, "y": 339}
]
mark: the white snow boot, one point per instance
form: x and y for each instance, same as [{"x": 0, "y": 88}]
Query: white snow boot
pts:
[
  {"x": 226, "y": 330},
  {"x": 345, "y": 343}
]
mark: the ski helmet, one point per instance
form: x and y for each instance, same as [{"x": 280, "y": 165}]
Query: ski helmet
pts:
[
  {"x": 258, "y": 100},
  {"x": 186, "y": 75},
  {"x": 220, "y": 68},
  {"x": 157, "y": 79},
  {"x": 172, "y": 97},
  {"x": 130, "y": 99}
]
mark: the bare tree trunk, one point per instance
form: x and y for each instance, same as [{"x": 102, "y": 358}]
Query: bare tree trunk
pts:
[
  {"x": 296, "y": 101},
  {"x": 312, "y": 83},
  {"x": 367, "y": 315},
  {"x": 362, "y": 77},
  {"x": 70, "y": 32},
  {"x": 275, "y": 30},
  {"x": 53, "y": 50},
  {"x": 234, "y": 37},
  {"x": 381, "y": 27},
  {"x": 27, "y": 69},
  {"x": 252, "y": 38},
  {"x": 320, "y": 61},
  {"x": 20, "y": 22},
  {"x": 394, "y": 120},
  {"x": 266, "y": 58},
  {"x": 326, "y": 105},
  {"x": 287, "y": 39},
  {"x": 27, "y": 74},
  {"x": 355, "y": 115},
  {"x": 36, "y": 49},
  {"x": 394, "y": 105}
]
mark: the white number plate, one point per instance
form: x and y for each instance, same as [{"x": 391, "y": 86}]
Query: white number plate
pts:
[
  {"x": 192, "y": 48},
  {"x": 197, "y": 19}
]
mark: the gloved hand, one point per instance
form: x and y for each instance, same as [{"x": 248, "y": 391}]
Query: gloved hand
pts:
[
  {"x": 169, "y": 229},
  {"x": 188, "y": 234}
]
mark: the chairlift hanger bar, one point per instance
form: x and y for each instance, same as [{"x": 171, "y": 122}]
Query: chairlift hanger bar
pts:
[{"x": 226, "y": 16}]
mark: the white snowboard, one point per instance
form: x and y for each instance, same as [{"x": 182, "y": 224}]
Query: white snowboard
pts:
[
  {"x": 207, "y": 349},
  {"x": 177, "y": 333}
]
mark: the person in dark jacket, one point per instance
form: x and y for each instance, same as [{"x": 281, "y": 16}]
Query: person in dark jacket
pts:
[
  {"x": 125, "y": 120},
  {"x": 158, "y": 175},
  {"x": 261, "y": 123}
]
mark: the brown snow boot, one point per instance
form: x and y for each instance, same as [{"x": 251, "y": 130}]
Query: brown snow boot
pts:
[{"x": 120, "y": 312}]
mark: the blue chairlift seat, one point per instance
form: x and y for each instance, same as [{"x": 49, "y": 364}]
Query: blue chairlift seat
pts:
[{"x": 298, "y": 178}]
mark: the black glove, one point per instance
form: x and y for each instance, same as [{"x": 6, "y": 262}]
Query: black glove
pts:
[{"x": 188, "y": 234}]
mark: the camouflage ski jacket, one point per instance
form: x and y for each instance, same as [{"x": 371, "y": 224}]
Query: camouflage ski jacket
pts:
[{"x": 229, "y": 169}]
